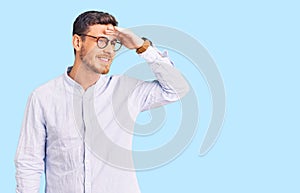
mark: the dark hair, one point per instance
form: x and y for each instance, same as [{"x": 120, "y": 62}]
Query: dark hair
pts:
[{"x": 85, "y": 20}]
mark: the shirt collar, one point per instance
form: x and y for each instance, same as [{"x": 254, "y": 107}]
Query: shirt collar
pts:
[{"x": 75, "y": 87}]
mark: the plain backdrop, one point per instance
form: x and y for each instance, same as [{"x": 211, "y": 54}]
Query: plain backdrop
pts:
[{"x": 255, "y": 45}]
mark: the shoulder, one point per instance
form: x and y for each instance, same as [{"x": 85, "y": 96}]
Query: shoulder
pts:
[{"x": 49, "y": 88}]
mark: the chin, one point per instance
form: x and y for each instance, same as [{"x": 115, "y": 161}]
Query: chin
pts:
[
  {"x": 105, "y": 71},
  {"x": 101, "y": 69}
]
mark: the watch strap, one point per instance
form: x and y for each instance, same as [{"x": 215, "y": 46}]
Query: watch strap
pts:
[{"x": 144, "y": 47}]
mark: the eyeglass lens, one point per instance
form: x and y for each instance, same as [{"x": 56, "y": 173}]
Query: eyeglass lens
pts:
[{"x": 103, "y": 42}]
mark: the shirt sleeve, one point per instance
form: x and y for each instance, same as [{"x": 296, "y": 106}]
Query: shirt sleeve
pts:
[
  {"x": 29, "y": 158},
  {"x": 169, "y": 86}
]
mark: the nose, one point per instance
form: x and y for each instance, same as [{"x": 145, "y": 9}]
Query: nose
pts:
[{"x": 109, "y": 48}]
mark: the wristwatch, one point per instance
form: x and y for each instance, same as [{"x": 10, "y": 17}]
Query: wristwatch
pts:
[{"x": 145, "y": 46}]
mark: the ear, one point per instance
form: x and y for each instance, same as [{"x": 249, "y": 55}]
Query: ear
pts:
[{"x": 77, "y": 42}]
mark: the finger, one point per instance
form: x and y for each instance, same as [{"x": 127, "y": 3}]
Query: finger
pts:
[
  {"x": 118, "y": 32},
  {"x": 119, "y": 29},
  {"x": 109, "y": 32},
  {"x": 110, "y": 27},
  {"x": 112, "y": 34}
]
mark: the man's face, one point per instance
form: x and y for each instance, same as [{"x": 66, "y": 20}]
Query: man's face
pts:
[{"x": 92, "y": 57}]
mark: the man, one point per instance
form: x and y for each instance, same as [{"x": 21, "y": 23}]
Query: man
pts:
[{"x": 72, "y": 121}]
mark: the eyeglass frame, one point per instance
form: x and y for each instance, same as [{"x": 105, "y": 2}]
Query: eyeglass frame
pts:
[{"x": 107, "y": 42}]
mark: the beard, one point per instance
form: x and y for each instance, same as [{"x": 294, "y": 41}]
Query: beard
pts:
[
  {"x": 105, "y": 71},
  {"x": 82, "y": 54},
  {"x": 86, "y": 61}
]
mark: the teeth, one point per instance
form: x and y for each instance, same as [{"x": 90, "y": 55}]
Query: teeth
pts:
[{"x": 104, "y": 59}]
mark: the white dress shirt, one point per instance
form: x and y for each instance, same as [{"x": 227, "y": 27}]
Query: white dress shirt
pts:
[{"x": 59, "y": 136}]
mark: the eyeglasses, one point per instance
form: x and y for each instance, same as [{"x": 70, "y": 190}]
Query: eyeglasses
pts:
[{"x": 103, "y": 41}]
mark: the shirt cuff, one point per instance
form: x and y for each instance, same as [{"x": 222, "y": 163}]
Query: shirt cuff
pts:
[{"x": 152, "y": 54}]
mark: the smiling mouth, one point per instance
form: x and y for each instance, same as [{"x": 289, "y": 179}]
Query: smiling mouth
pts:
[{"x": 103, "y": 59}]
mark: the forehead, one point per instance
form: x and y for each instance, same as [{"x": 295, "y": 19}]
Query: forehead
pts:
[{"x": 98, "y": 29}]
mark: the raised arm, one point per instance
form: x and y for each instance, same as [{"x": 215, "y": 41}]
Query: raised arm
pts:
[{"x": 169, "y": 85}]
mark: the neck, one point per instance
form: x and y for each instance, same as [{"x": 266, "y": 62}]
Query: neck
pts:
[{"x": 86, "y": 78}]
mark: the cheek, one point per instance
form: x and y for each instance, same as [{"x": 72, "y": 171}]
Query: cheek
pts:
[
  {"x": 86, "y": 54},
  {"x": 82, "y": 53},
  {"x": 113, "y": 57}
]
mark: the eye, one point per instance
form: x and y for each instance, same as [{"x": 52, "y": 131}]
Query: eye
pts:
[{"x": 102, "y": 42}]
